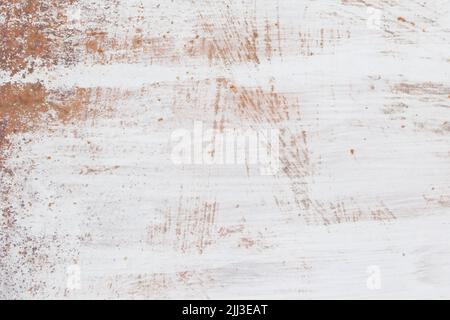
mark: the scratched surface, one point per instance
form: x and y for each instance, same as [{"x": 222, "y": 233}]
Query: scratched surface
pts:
[{"x": 92, "y": 206}]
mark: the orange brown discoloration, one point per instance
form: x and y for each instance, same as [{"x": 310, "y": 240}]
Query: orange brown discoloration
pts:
[
  {"x": 267, "y": 40},
  {"x": 32, "y": 35},
  {"x": 425, "y": 88},
  {"x": 401, "y": 19},
  {"x": 192, "y": 227},
  {"x": 262, "y": 106},
  {"x": 347, "y": 212},
  {"x": 95, "y": 42},
  {"x": 21, "y": 104},
  {"x": 225, "y": 44}
]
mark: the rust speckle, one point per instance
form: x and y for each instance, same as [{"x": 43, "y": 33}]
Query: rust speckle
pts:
[
  {"x": 401, "y": 19},
  {"x": 21, "y": 104},
  {"x": 221, "y": 43},
  {"x": 246, "y": 243},
  {"x": 29, "y": 33},
  {"x": 192, "y": 226}
]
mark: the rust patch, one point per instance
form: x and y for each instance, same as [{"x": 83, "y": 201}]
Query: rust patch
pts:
[
  {"x": 347, "y": 212},
  {"x": 232, "y": 103},
  {"x": 34, "y": 33},
  {"x": 21, "y": 104},
  {"x": 441, "y": 128},
  {"x": 159, "y": 285},
  {"x": 442, "y": 200},
  {"x": 224, "y": 40},
  {"x": 424, "y": 88},
  {"x": 403, "y": 20},
  {"x": 191, "y": 226}
]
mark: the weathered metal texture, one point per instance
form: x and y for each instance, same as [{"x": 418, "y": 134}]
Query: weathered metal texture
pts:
[{"x": 93, "y": 205}]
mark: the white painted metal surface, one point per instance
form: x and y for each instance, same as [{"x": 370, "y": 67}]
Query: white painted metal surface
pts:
[{"x": 359, "y": 91}]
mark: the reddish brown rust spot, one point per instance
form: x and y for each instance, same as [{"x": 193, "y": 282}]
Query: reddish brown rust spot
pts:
[{"x": 21, "y": 104}]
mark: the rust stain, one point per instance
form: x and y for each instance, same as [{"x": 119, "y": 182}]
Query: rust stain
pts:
[
  {"x": 103, "y": 48},
  {"x": 34, "y": 33},
  {"x": 401, "y": 19},
  {"x": 253, "y": 104},
  {"x": 193, "y": 226},
  {"x": 88, "y": 170},
  {"x": 226, "y": 41},
  {"x": 247, "y": 243},
  {"x": 348, "y": 212},
  {"x": 21, "y": 105}
]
